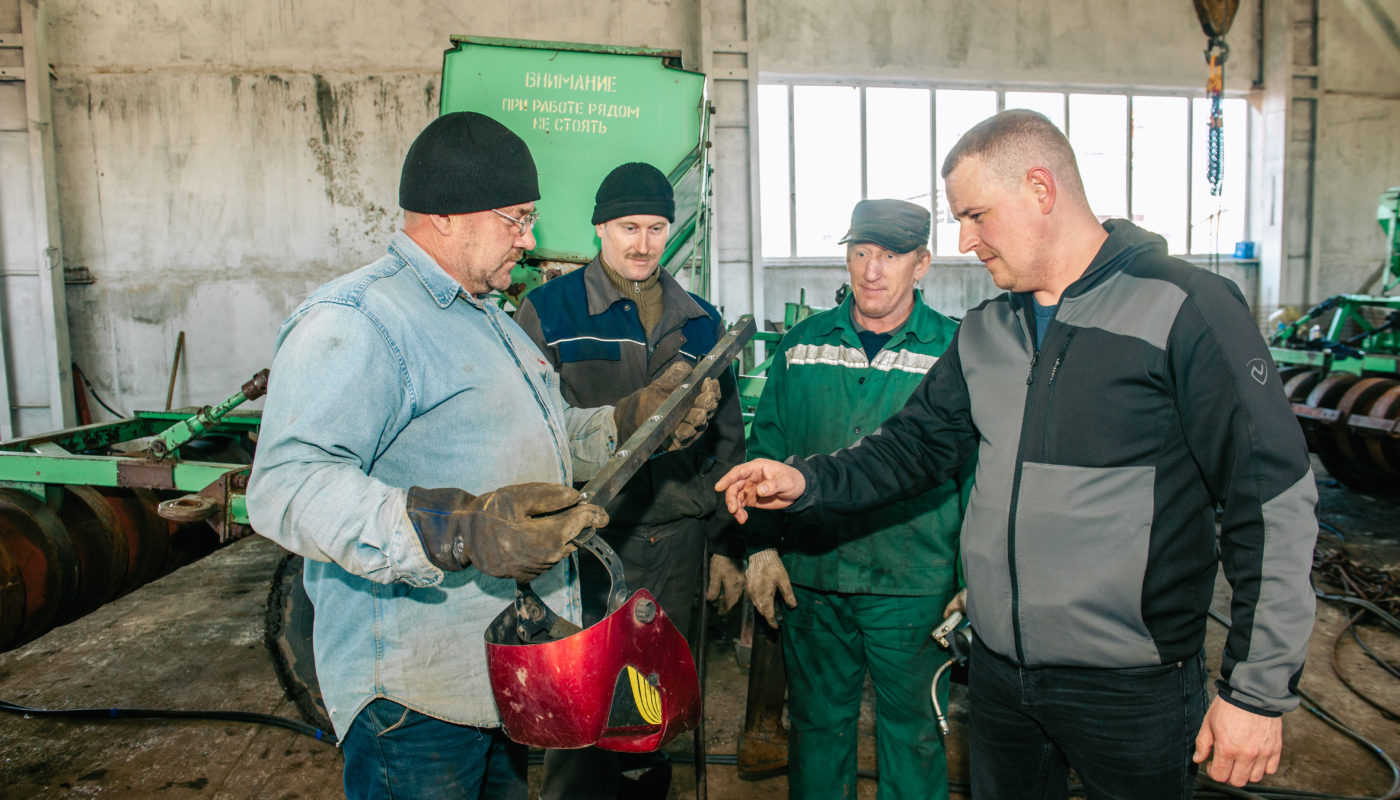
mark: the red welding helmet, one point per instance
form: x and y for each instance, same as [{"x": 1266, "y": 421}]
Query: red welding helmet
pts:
[{"x": 627, "y": 683}]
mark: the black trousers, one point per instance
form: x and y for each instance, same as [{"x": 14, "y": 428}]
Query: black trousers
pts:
[{"x": 1128, "y": 733}]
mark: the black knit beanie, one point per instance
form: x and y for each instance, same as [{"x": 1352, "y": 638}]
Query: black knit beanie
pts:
[
  {"x": 465, "y": 162},
  {"x": 634, "y": 188}
]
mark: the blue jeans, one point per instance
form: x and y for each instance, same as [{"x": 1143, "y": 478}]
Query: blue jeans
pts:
[
  {"x": 394, "y": 752},
  {"x": 1128, "y": 733}
]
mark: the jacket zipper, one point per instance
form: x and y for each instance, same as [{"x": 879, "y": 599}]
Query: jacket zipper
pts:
[
  {"x": 1011, "y": 518},
  {"x": 1050, "y": 395}
]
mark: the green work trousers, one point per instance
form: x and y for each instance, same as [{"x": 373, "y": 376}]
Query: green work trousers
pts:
[{"x": 830, "y": 641}]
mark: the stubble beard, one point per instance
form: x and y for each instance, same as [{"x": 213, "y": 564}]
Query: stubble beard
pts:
[{"x": 500, "y": 279}]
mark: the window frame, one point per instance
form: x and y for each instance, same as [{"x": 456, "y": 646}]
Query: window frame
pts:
[{"x": 1194, "y": 252}]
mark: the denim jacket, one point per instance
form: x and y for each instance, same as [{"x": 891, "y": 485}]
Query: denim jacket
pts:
[{"x": 389, "y": 377}]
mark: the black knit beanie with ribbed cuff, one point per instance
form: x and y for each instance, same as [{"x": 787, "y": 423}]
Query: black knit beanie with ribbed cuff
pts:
[
  {"x": 634, "y": 188},
  {"x": 465, "y": 162}
]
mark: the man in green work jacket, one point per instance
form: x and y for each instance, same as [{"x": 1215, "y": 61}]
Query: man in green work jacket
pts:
[{"x": 863, "y": 595}]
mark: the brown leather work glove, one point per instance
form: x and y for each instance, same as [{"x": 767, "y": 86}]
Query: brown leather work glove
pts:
[
  {"x": 517, "y": 531},
  {"x": 632, "y": 411}
]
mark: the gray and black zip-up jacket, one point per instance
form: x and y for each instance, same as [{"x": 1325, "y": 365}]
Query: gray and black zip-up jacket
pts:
[{"x": 1090, "y": 536}]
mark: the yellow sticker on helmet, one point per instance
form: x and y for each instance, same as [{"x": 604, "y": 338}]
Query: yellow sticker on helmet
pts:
[{"x": 647, "y": 698}]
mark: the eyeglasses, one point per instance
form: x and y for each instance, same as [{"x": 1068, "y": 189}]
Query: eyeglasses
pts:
[{"x": 526, "y": 222}]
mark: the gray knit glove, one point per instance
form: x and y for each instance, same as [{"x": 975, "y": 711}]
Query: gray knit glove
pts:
[{"x": 765, "y": 577}]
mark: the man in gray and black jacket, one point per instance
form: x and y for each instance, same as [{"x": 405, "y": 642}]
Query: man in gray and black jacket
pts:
[{"x": 1115, "y": 396}]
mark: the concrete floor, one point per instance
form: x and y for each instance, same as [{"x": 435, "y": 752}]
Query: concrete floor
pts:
[{"x": 193, "y": 640}]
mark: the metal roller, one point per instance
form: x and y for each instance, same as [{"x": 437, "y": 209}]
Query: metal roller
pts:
[
  {"x": 11, "y": 599},
  {"x": 1297, "y": 383},
  {"x": 1385, "y": 452},
  {"x": 35, "y": 538},
  {"x": 1352, "y": 423},
  {"x": 147, "y": 535},
  {"x": 1356, "y": 400},
  {"x": 1361, "y": 402},
  {"x": 101, "y": 545},
  {"x": 61, "y": 562}
]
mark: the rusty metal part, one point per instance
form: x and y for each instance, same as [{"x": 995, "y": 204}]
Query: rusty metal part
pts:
[
  {"x": 1386, "y": 452},
  {"x": 1330, "y": 389},
  {"x": 147, "y": 535},
  {"x": 63, "y": 558},
  {"x": 101, "y": 545},
  {"x": 146, "y": 474},
  {"x": 763, "y": 742},
  {"x": 1357, "y": 400},
  {"x": 212, "y": 505},
  {"x": 1297, "y": 383},
  {"x": 256, "y": 386},
  {"x": 11, "y": 599},
  {"x": 1352, "y": 423},
  {"x": 35, "y": 538},
  {"x": 190, "y": 508}
]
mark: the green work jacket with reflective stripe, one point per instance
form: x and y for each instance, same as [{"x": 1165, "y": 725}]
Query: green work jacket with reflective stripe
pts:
[{"x": 823, "y": 394}]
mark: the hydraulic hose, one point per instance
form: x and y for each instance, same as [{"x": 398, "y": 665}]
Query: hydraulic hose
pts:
[
  {"x": 157, "y": 713},
  {"x": 1321, "y": 713}
]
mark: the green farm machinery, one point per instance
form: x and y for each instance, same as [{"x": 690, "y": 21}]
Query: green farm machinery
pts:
[
  {"x": 91, "y": 513},
  {"x": 1340, "y": 365}
]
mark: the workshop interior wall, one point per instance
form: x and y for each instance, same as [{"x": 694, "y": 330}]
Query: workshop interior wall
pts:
[
  {"x": 1358, "y": 141},
  {"x": 219, "y": 159}
]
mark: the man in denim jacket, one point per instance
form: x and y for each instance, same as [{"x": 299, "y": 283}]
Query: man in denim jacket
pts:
[{"x": 402, "y": 375}]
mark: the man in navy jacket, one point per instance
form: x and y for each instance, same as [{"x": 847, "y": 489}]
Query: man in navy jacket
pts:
[{"x": 610, "y": 328}]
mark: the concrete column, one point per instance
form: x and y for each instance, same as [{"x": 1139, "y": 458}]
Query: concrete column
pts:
[
  {"x": 1284, "y": 196},
  {"x": 728, "y": 38}
]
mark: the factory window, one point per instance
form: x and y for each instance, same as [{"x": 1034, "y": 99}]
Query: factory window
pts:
[{"x": 1142, "y": 156}]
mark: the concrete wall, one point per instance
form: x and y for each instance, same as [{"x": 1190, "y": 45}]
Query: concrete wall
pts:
[
  {"x": 1084, "y": 42},
  {"x": 1358, "y": 139},
  {"x": 219, "y": 158}
]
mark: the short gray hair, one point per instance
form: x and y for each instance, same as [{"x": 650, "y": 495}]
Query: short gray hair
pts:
[{"x": 1014, "y": 141}]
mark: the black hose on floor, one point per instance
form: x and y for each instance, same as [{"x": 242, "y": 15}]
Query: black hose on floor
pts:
[
  {"x": 100, "y": 714},
  {"x": 1321, "y": 713}
]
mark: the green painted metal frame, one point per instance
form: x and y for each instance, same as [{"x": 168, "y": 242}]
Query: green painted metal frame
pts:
[
  {"x": 752, "y": 376},
  {"x": 1388, "y": 215},
  {"x": 38, "y": 464},
  {"x": 1373, "y": 349}
]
